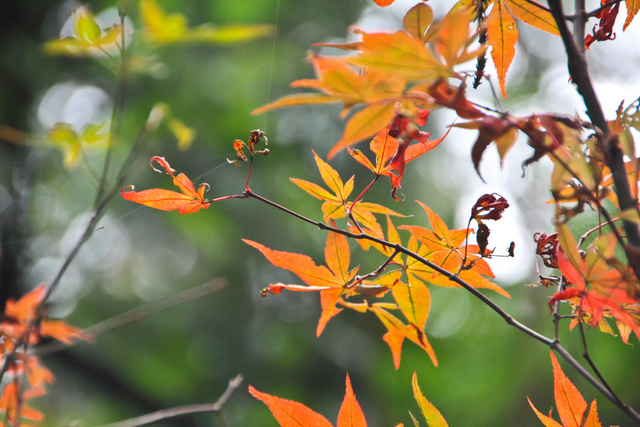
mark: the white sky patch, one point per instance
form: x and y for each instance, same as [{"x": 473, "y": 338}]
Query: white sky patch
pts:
[
  {"x": 509, "y": 271},
  {"x": 75, "y": 104}
]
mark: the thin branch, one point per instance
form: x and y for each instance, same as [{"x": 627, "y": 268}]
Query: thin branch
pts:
[
  {"x": 136, "y": 315},
  {"x": 180, "y": 411},
  {"x": 594, "y": 229},
  {"x": 99, "y": 209},
  {"x": 587, "y": 357},
  {"x": 556, "y": 312},
  {"x": 552, "y": 343}
]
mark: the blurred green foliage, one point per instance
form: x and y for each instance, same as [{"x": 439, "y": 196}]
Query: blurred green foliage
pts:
[{"x": 187, "y": 354}]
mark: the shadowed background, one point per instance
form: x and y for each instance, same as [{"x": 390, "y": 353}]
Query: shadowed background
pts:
[{"x": 188, "y": 353}]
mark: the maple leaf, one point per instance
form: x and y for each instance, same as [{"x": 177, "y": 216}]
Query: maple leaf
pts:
[
  {"x": 336, "y": 205},
  {"x": 331, "y": 282},
  {"x": 63, "y": 137},
  {"x": 350, "y": 414},
  {"x": 534, "y": 14},
  {"x": 341, "y": 82},
  {"x": 162, "y": 28},
  {"x": 24, "y": 314},
  {"x": 489, "y": 207},
  {"x": 293, "y": 414},
  {"x": 413, "y": 299},
  {"x": 25, "y": 309},
  {"x": 289, "y": 413},
  {"x": 417, "y": 20},
  {"x": 633, "y": 6},
  {"x": 188, "y": 201},
  {"x": 431, "y": 415},
  {"x": 570, "y": 404},
  {"x": 61, "y": 331},
  {"x": 452, "y": 36},
  {"x": 88, "y": 39},
  {"x": 490, "y": 129},
  {"x": 401, "y": 54},
  {"x": 453, "y": 97},
  {"x": 398, "y": 331},
  {"x": 502, "y": 32}
]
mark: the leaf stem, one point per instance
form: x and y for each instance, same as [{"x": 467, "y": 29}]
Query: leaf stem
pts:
[{"x": 377, "y": 271}]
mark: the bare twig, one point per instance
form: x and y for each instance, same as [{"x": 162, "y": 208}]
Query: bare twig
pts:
[
  {"x": 180, "y": 411},
  {"x": 377, "y": 271},
  {"x": 135, "y": 315}
]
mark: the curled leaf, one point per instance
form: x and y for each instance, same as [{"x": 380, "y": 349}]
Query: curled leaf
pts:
[{"x": 188, "y": 201}]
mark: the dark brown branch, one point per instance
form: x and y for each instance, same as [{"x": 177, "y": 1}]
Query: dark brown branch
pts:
[
  {"x": 180, "y": 411},
  {"x": 613, "y": 155},
  {"x": 587, "y": 357}
]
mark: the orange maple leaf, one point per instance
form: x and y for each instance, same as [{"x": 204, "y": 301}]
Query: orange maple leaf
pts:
[
  {"x": 188, "y": 201},
  {"x": 330, "y": 282},
  {"x": 289, "y": 413},
  {"x": 336, "y": 205},
  {"x": 24, "y": 310},
  {"x": 62, "y": 331},
  {"x": 502, "y": 36},
  {"x": 569, "y": 402},
  {"x": 293, "y": 414},
  {"x": 398, "y": 331},
  {"x": 22, "y": 316},
  {"x": 599, "y": 301}
]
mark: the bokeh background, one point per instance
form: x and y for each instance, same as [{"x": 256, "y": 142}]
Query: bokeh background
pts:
[{"x": 188, "y": 353}]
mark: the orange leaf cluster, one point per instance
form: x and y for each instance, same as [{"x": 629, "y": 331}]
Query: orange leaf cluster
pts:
[
  {"x": 293, "y": 414},
  {"x": 23, "y": 326},
  {"x": 605, "y": 296},
  {"x": 389, "y": 70},
  {"x": 339, "y": 285}
]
